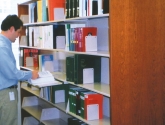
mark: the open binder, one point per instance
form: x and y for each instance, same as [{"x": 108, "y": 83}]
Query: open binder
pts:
[{"x": 45, "y": 79}]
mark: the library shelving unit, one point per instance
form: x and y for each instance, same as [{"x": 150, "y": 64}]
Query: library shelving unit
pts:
[
  {"x": 35, "y": 107},
  {"x": 133, "y": 41}
]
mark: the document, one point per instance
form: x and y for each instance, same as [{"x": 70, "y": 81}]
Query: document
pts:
[
  {"x": 45, "y": 79},
  {"x": 44, "y": 74}
]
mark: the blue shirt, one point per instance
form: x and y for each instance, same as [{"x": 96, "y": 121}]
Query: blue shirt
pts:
[{"x": 9, "y": 74}]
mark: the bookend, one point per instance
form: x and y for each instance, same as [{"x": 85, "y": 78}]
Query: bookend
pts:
[
  {"x": 30, "y": 101},
  {"x": 91, "y": 43},
  {"x": 30, "y": 121}
]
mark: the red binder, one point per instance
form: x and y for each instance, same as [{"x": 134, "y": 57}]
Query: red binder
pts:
[
  {"x": 91, "y": 100},
  {"x": 31, "y": 53},
  {"x": 54, "y": 4},
  {"x": 85, "y": 31}
]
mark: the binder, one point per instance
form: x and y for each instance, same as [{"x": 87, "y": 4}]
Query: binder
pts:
[
  {"x": 70, "y": 68},
  {"x": 86, "y": 61},
  {"x": 78, "y": 100},
  {"x": 93, "y": 106},
  {"x": 60, "y": 93},
  {"x": 72, "y": 99},
  {"x": 83, "y": 32},
  {"x": 82, "y": 101},
  {"x": 54, "y": 4}
]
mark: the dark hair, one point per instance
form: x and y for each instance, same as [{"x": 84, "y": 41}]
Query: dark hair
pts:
[{"x": 11, "y": 20}]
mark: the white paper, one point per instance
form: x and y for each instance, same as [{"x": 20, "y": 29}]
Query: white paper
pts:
[
  {"x": 45, "y": 74},
  {"x": 48, "y": 43},
  {"x": 45, "y": 79},
  {"x": 60, "y": 42},
  {"x": 92, "y": 112},
  {"x": 11, "y": 95},
  {"x": 24, "y": 18},
  {"x": 88, "y": 75},
  {"x": 59, "y": 13},
  {"x": 30, "y": 121},
  {"x": 46, "y": 83},
  {"x": 29, "y": 61},
  {"x": 23, "y": 41},
  {"x": 30, "y": 101},
  {"x": 50, "y": 113},
  {"x": 91, "y": 43},
  {"x": 59, "y": 96},
  {"x": 48, "y": 65},
  {"x": 67, "y": 107}
]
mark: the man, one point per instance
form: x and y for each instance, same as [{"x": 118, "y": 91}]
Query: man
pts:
[{"x": 9, "y": 74}]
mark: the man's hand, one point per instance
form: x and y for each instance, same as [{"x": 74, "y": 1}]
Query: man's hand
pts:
[{"x": 34, "y": 74}]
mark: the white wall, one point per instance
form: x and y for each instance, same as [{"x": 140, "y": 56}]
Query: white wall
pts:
[{"x": 10, "y": 7}]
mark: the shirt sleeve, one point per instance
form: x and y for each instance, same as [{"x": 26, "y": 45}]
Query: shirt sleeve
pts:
[{"x": 8, "y": 66}]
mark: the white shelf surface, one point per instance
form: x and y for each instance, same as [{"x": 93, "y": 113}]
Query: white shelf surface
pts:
[
  {"x": 35, "y": 111},
  {"x": 96, "y": 87},
  {"x": 84, "y": 18},
  {"x": 101, "y": 88},
  {"x": 54, "y": 122},
  {"x": 97, "y": 53},
  {"x": 104, "y": 121},
  {"x": 61, "y": 106},
  {"x": 59, "y": 76},
  {"x": 34, "y": 92}
]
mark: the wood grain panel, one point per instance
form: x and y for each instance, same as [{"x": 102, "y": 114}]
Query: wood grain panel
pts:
[
  {"x": 23, "y": 10},
  {"x": 137, "y": 62}
]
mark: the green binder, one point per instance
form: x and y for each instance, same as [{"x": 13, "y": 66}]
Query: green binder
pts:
[
  {"x": 60, "y": 93},
  {"x": 87, "y": 61}
]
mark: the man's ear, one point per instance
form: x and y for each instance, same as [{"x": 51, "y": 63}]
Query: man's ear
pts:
[{"x": 12, "y": 29}]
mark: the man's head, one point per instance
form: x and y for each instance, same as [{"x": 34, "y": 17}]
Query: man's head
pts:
[{"x": 11, "y": 27}]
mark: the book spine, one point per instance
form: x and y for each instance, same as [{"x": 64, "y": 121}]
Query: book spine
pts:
[
  {"x": 77, "y": 9},
  {"x": 82, "y": 101},
  {"x": 66, "y": 9},
  {"x": 72, "y": 34},
  {"x": 70, "y": 100},
  {"x": 95, "y": 7},
  {"x": 70, "y": 69},
  {"x": 75, "y": 69},
  {"x": 87, "y": 31},
  {"x": 75, "y": 6},
  {"x": 74, "y": 101},
  {"x": 71, "y": 8},
  {"x": 44, "y": 11},
  {"x": 94, "y": 99},
  {"x": 80, "y": 35},
  {"x": 39, "y": 11},
  {"x": 78, "y": 100},
  {"x": 76, "y": 39},
  {"x": 105, "y": 6},
  {"x": 80, "y": 8},
  {"x": 35, "y": 58}
]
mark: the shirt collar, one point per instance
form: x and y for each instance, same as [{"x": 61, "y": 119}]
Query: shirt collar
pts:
[{"x": 6, "y": 41}]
